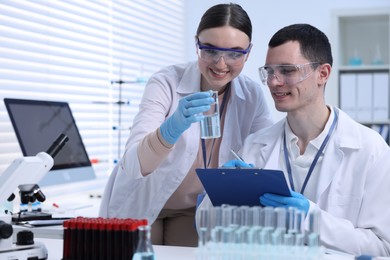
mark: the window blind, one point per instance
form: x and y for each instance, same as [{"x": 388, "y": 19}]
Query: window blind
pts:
[{"x": 79, "y": 52}]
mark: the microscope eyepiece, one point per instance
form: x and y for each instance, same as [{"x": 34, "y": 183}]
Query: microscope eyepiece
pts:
[{"x": 57, "y": 145}]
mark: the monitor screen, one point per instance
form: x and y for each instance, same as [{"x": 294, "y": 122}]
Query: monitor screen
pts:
[{"x": 37, "y": 124}]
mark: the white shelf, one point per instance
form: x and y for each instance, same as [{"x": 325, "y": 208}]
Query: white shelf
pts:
[
  {"x": 362, "y": 33},
  {"x": 353, "y": 68},
  {"x": 361, "y": 49}
]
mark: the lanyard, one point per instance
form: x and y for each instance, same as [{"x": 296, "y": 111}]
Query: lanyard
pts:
[
  {"x": 227, "y": 93},
  {"x": 313, "y": 164}
]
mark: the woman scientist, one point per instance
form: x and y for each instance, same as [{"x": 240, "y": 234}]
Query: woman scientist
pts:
[{"x": 156, "y": 179}]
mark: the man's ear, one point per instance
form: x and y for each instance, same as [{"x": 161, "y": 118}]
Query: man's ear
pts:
[{"x": 324, "y": 73}]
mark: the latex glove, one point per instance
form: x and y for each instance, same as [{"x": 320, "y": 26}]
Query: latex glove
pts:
[
  {"x": 296, "y": 200},
  {"x": 189, "y": 110},
  {"x": 237, "y": 164}
]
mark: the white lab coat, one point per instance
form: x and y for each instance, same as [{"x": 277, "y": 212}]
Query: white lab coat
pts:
[
  {"x": 353, "y": 192},
  {"x": 130, "y": 195}
]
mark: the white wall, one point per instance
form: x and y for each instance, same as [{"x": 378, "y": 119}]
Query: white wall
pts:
[{"x": 268, "y": 17}]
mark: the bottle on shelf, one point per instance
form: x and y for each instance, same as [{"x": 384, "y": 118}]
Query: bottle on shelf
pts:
[
  {"x": 355, "y": 59},
  {"x": 377, "y": 60},
  {"x": 144, "y": 249}
]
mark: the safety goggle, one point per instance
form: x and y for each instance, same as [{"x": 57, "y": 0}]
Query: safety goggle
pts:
[
  {"x": 230, "y": 56},
  {"x": 290, "y": 74}
]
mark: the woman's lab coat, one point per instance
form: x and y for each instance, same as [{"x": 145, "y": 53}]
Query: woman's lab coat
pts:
[
  {"x": 353, "y": 191},
  {"x": 130, "y": 195}
]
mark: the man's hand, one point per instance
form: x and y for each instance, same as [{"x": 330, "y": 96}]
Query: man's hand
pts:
[{"x": 296, "y": 200}]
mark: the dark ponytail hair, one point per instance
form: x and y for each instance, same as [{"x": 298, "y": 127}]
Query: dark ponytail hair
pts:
[{"x": 226, "y": 14}]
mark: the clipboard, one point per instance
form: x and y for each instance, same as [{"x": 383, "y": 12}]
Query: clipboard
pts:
[{"x": 241, "y": 186}]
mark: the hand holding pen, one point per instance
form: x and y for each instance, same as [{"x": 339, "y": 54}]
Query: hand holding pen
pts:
[{"x": 238, "y": 163}]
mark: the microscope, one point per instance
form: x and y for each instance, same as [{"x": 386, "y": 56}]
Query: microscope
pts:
[
  {"x": 30, "y": 194},
  {"x": 24, "y": 173}
]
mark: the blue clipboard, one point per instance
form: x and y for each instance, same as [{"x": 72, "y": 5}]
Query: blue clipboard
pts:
[{"x": 241, "y": 186}]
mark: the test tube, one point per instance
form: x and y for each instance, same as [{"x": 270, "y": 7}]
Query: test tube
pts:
[
  {"x": 237, "y": 216},
  {"x": 277, "y": 237},
  {"x": 299, "y": 219},
  {"x": 66, "y": 240},
  {"x": 281, "y": 219},
  {"x": 314, "y": 240},
  {"x": 203, "y": 227},
  {"x": 265, "y": 236},
  {"x": 249, "y": 218},
  {"x": 300, "y": 239},
  {"x": 269, "y": 217},
  {"x": 244, "y": 212},
  {"x": 291, "y": 220},
  {"x": 252, "y": 222},
  {"x": 216, "y": 231},
  {"x": 314, "y": 222},
  {"x": 288, "y": 239},
  {"x": 240, "y": 216},
  {"x": 314, "y": 229},
  {"x": 260, "y": 216},
  {"x": 227, "y": 215},
  {"x": 314, "y": 247},
  {"x": 217, "y": 216}
]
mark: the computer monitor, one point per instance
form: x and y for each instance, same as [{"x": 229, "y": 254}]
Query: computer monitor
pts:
[{"x": 37, "y": 124}]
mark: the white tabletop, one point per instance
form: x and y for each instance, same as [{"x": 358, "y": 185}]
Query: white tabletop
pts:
[{"x": 54, "y": 247}]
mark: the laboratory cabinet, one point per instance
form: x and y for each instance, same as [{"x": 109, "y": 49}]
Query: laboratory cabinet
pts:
[{"x": 360, "y": 43}]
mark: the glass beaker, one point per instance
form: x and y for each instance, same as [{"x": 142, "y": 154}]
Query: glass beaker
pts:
[
  {"x": 210, "y": 125},
  {"x": 144, "y": 249}
]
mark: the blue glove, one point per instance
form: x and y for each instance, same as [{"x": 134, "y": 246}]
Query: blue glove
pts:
[
  {"x": 296, "y": 200},
  {"x": 237, "y": 164},
  {"x": 188, "y": 111}
]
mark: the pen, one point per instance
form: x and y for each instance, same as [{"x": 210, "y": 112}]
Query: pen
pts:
[{"x": 236, "y": 156}]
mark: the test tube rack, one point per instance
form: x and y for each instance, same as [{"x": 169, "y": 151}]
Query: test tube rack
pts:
[
  {"x": 100, "y": 238},
  {"x": 231, "y": 232}
]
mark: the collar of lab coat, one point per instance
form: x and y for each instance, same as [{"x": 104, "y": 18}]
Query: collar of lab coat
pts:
[{"x": 346, "y": 136}]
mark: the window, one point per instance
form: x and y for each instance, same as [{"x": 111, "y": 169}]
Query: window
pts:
[{"x": 77, "y": 52}]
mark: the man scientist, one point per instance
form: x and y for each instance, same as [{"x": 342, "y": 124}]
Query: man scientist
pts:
[{"x": 332, "y": 164}]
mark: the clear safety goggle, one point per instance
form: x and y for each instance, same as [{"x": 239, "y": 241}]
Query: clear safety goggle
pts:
[
  {"x": 290, "y": 74},
  {"x": 230, "y": 56}
]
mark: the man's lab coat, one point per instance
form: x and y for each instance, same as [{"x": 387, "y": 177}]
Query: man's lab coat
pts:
[{"x": 353, "y": 190}]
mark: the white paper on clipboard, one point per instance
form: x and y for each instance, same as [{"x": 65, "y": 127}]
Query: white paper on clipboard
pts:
[{"x": 241, "y": 186}]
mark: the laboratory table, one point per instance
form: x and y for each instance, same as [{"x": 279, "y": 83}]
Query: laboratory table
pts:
[{"x": 54, "y": 247}]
